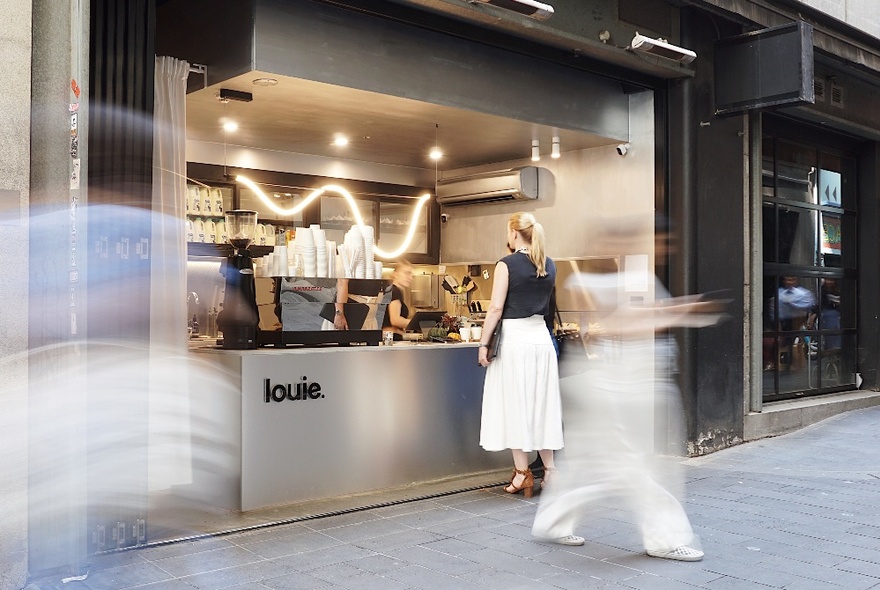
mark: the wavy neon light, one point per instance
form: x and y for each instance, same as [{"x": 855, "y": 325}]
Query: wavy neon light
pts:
[{"x": 352, "y": 205}]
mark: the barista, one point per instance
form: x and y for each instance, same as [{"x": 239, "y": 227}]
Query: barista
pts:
[{"x": 397, "y": 314}]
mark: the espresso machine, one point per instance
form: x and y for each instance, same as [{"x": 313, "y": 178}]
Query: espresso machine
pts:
[{"x": 239, "y": 318}]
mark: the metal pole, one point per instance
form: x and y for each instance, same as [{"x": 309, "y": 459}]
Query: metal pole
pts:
[{"x": 754, "y": 233}]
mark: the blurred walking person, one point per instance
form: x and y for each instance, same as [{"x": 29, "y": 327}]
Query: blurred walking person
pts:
[{"x": 609, "y": 408}]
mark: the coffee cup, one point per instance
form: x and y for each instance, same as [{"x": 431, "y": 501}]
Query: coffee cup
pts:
[
  {"x": 465, "y": 334},
  {"x": 476, "y": 333}
]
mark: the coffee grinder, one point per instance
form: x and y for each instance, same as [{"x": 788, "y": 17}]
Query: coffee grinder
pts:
[{"x": 239, "y": 318}]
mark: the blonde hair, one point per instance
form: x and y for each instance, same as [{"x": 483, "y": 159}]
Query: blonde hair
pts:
[
  {"x": 402, "y": 264},
  {"x": 532, "y": 233}
]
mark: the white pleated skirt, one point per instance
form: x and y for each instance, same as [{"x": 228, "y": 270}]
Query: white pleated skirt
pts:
[{"x": 521, "y": 402}]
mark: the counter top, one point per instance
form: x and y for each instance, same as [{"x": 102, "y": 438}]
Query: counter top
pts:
[{"x": 204, "y": 344}]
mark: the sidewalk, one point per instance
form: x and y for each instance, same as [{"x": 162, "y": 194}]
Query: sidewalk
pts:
[{"x": 800, "y": 512}]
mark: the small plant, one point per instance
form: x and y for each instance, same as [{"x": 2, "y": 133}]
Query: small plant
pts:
[{"x": 452, "y": 323}]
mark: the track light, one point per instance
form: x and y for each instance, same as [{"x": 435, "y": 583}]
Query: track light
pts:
[
  {"x": 662, "y": 48},
  {"x": 536, "y": 150},
  {"x": 554, "y": 147},
  {"x": 529, "y": 8}
]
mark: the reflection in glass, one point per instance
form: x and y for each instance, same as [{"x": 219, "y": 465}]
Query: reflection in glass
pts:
[
  {"x": 768, "y": 229},
  {"x": 832, "y": 239},
  {"x": 394, "y": 222},
  {"x": 795, "y": 172},
  {"x": 836, "y": 366},
  {"x": 337, "y": 217},
  {"x": 284, "y": 197},
  {"x": 798, "y": 236},
  {"x": 829, "y": 188}
]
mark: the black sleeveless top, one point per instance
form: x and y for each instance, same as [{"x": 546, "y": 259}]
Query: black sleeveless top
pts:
[
  {"x": 527, "y": 294},
  {"x": 396, "y": 295}
]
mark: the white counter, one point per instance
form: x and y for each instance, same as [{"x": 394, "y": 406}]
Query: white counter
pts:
[{"x": 308, "y": 423}]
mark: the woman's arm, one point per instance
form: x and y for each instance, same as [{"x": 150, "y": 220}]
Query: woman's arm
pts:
[
  {"x": 339, "y": 321},
  {"x": 496, "y": 307},
  {"x": 397, "y": 321}
]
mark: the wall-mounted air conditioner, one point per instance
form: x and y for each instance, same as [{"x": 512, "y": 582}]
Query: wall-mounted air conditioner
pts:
[{"x": 510, "y": 184}]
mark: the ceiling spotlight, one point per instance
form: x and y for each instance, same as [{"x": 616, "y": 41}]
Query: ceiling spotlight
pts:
[
  {"x": 661, "y": 48},
  {"x": 436, "y": 153},
  {"x": 230, "y": 126},
  {"x": 536, "y": 150},
  {"x": 554, "y": 147},
  {"x": 265, "y": 82},
  {"x": 529, "y": 8},
  {"x": 340, "y": 140}
]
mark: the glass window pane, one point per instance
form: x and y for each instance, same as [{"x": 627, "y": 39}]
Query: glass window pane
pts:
[
  {"x": 768, "y": 188},
  {"x": 848, "y": 249},
  {"x": 837, "y": 366},
  {"x": 337, "y": 216},
  {"x": 281, "y": 197},
  {"x": 794, "y": 308},
  {"x": 394, "y": 223},
  {"x": 831, "y": 246},
  {"x": 769, "y": 231},
  {"x": 798, "y": 236},
  {"x": 796, "y": 172}
]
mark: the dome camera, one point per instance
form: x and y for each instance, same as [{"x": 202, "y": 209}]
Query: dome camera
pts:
[
  {"x": 444, "y": 217},
  {"x": 622, "y": 149}
]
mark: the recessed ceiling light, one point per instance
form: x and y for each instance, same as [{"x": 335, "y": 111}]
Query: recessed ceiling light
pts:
[
  {"x": 230, "y": 126},
  {"x": 436, "y": 153},
  {"x": 340, "y": 140},
  {"x": 265, "y": 82}
]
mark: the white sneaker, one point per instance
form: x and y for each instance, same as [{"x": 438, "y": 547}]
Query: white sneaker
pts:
[
  {"x": 683, "y": 553},
  {"x": 572, "y": 540}
]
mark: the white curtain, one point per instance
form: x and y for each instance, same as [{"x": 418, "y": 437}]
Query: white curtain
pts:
[{"x": 169, "y": 446}]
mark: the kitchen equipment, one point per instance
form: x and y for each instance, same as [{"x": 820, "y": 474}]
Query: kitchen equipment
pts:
[{"x": 239, "y": 318}]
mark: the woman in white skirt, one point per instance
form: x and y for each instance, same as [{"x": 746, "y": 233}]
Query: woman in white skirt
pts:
[{"x": 521, "y": 403}]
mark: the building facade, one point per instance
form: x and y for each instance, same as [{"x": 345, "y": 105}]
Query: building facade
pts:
[{"x": 773, "y": 202}]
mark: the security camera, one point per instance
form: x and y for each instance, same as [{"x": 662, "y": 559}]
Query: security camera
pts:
[
  {"x": 622, "y": 149},
  {"x": 444, "y": 218}
]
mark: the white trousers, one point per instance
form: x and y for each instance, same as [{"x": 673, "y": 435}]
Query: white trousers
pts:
[{"x": 604, "y": 412}]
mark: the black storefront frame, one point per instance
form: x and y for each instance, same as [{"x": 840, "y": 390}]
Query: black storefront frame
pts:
[{"x": 791, "y": 342}]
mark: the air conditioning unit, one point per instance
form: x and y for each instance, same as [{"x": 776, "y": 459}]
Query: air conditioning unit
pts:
[{"x": 511, "y": 184}]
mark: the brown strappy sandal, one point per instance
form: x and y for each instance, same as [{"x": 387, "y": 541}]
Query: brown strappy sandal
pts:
[{"x": 526, "y": 486}]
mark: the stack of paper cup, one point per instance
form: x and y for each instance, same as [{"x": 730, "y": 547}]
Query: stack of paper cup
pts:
[
  {"x": 280, "y": 261},
  {"x": 353, "y": 253},
  {"x": 369, "y": 268},
  {"x": 331, "y": 259},
  {"x": 377, "y": 272},
  {"x": 304, "y": 244},
  {"x": 320, "y": 237}
]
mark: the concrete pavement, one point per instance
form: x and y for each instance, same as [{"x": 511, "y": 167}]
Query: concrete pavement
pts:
[{"x": 799, "y": 512}]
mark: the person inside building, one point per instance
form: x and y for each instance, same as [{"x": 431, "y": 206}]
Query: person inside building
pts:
[
  {"x": 521, "y": 403},
  {"x": 397, "y": 313},
  {"x": 793, "y": 309}
]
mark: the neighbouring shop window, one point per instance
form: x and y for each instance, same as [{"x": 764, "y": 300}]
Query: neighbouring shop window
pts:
[{"x": 810, "y": 271}]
